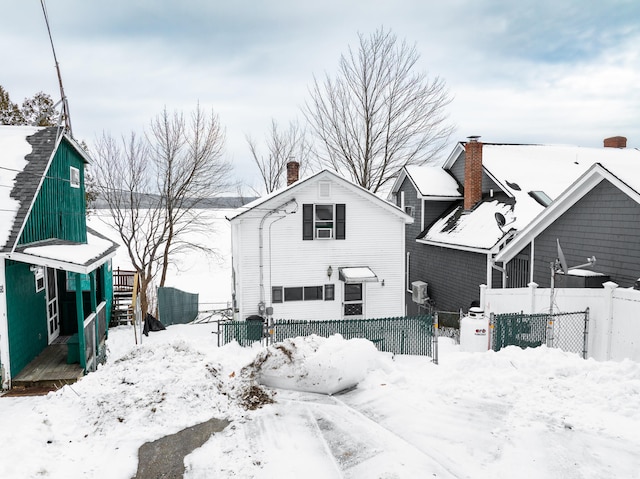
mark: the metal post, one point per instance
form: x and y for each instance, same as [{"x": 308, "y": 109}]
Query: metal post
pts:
[
  {"x": 550, "y": 322},
  {"x": 585, "y": 341},
  {"x": 492, "y": 324},
  {"x": 435, "y": 338}
]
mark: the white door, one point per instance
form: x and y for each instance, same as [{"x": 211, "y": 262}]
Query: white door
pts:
[
  {"x": 353, "y": 301},
  {"x": 53, "y": 319}
]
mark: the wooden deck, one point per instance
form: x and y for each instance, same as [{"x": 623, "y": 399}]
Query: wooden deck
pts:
[{"x": 47, "y": 372}]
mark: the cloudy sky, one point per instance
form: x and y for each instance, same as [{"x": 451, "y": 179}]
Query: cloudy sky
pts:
[{"x": 541, "y": 71}]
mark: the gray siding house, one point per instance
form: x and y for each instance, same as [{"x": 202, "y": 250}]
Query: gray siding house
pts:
[
  {"x": 599, "y": 215},
  {"x": 469, "y": 209}
]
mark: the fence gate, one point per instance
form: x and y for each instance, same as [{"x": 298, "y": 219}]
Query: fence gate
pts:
[{"x": 566, "y": 331}]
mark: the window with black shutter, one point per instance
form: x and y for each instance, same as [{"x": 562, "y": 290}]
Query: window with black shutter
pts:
[
  {"x": 307, "y": 222},
  {"x": 323, "y": 221}
]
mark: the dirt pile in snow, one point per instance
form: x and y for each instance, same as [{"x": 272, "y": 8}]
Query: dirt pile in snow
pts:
[{"x": 314, "y": 364}]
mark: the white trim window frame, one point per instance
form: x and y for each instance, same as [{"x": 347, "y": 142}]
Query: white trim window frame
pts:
[
  {"x": 324, "y": 217},
  {"x": 353, "y": 300},
  {"x": 74, "y": 177}
]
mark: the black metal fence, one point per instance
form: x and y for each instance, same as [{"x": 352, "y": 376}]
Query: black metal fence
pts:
[{"x": 566, "y": 331}]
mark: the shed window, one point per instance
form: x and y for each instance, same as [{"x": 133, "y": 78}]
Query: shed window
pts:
[
  {"x": 38, "y": 272},
  {"x": 74, "y": 177}
]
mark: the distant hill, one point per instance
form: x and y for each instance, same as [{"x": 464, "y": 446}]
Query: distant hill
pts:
[{"x": 220, "y": 202}]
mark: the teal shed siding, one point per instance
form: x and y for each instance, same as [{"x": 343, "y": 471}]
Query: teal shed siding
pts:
[
  {"x": 106, "y": 274},
  {"x": 26, "y": 316},
  {"x": 59, "y": 210}
]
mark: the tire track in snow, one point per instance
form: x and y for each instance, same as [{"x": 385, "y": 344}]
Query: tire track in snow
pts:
[
  {"x": 361, "y": 447},
  {"x": 410, "y": 445}
]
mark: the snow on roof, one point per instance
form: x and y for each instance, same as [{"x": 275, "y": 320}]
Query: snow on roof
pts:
[
  {"x": 433, "y": 181},
  {"x": 520, "y": 169},
  {"x": 73, "y": 253},
  {"x": 77, "y": 254},
  {"x": 625, "y": 170},
  {"x": 545, "y": 167},
  {"x": 472, "y": 229},
  {"x": 13, "y": 149},
  {"x": 380, "y": 200}
]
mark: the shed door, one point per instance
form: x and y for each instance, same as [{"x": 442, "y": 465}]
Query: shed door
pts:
[{"x": 53, "y": 320}]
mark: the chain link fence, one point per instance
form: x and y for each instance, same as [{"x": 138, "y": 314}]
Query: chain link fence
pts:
[
  {"x": 566, "y": 331},
  {"x": 402, "y": 335}
]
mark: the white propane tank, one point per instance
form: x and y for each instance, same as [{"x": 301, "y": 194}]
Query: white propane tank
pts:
[{"x": 474, "y": 331}]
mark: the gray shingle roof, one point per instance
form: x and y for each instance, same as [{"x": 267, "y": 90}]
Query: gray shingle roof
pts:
[{"x": 28, "y": 180}]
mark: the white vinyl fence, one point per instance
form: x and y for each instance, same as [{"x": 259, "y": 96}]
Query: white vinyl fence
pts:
[{"x": 614, "y": 313}]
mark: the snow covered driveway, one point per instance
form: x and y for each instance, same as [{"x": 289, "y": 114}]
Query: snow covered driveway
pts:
[
  {"x": 309, "y": 435},
  {"x": 535, "y": 413}
]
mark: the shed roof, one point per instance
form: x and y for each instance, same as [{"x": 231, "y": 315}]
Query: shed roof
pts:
[{"x": 25, "y": 155}]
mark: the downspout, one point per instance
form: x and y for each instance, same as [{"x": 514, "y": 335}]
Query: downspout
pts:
[{"x": 261, "y": 304}]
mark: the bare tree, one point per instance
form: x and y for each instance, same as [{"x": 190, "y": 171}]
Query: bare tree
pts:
[
  {"x": 281, "y": 147},
  {"x": 188, "y": 159},
  {"x": 379, "y": 113},
  {"x": 123, "y": 180},
  {"x": 154, "y": 185}
]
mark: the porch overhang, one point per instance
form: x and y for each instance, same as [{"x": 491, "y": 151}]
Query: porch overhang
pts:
[
  {"x": 361, "y": 274},
  {"x": 68, "y": 256}
]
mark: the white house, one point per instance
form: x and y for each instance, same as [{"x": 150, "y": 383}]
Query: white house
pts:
[{"x": 321, "y": 248}]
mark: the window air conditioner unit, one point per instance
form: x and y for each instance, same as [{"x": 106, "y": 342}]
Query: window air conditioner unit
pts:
[
  {"x": 419, "y": 292},
  {"x": 324, "y": 233}
]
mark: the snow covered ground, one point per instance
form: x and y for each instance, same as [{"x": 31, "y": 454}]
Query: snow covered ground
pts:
[{"x": 536, "y": 413}]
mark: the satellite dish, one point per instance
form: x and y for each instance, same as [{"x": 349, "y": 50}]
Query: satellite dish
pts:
[
  {"x": 561, "y": 258},
  {"x": 500, "y": 219}
]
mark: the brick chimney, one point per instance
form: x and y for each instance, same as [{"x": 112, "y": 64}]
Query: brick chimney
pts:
[
  {"x": 472, "y": 172},
  {"x": 292, "y": 172},
  {"x": 615, "y": 142}
]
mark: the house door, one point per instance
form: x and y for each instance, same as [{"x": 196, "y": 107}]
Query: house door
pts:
[
  {"x": 353, "y": 305},
  {"x": 53, "y": 318}
]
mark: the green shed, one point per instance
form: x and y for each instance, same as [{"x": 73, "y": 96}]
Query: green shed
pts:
[{"x": 55, "y": 273}]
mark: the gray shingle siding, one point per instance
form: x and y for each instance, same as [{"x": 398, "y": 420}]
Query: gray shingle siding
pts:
[
  {"x": 457, "y": 170},
  {"x": 411, "y": 199},
  {"x": 454, "y": 276},
  {"x": 604, "y": 223}
]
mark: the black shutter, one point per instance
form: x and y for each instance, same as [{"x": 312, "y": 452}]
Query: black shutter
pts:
[
  {"x": 307, "y": 222},
  {"x": 340, "y": 222}
]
